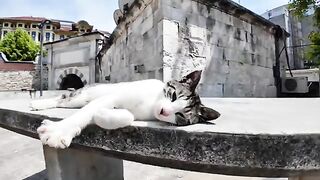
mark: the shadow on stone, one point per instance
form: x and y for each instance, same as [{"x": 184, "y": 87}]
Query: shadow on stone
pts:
[{"x": 42, "y": 175}]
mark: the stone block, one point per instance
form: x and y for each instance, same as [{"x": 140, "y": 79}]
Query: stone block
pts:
[
  {"x": 174, "y": 14},
  {"x": 197, "y": 32},
  {"x": 148, "y": 12},
  {"x": 170, "y": 36},
  {"x": 72, "y": 164},
  {"x": 211, "y": 90},
  {"x": 146, "y": 25}
]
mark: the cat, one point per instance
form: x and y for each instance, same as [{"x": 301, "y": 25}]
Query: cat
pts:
[{"x": 113, "y": 106}]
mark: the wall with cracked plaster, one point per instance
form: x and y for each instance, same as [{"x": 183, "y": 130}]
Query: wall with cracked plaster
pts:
[
  {"x": 237, "y": 56},
  {"x": 167, "y": 39},
  {"x": 136, "y": 53}
]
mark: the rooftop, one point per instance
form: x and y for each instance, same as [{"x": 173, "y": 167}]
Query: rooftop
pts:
[
  {"x": 6, "y": 65},
  {"x": 27, "y": 19}
]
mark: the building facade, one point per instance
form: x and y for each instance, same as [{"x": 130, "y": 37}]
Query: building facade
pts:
[
  {"x": 299, "y": 30},
  {"x": 236, "y": 49},
  {"x": 58, "y": 29},
  {"x": 72, "y": 62}
]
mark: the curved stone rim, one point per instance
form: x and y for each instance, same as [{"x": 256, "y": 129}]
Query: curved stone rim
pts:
[{"x": 68, "y": 72}]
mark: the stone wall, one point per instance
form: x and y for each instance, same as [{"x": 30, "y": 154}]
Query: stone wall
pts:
[
  {"x": 137, "y": 50},
  {"x": 237, "y": 56},
  {"x": 18, "y": 80},
  {"x": 169, "y": 38}
]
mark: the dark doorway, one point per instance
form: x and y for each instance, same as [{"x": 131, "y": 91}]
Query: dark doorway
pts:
[{"x": 71, "y": 81}]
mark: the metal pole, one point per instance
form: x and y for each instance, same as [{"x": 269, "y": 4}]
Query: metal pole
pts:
[{"x": 40, "y": 60}]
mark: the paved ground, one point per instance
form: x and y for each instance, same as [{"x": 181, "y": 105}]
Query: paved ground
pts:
[{"x": 21, "y": 158}]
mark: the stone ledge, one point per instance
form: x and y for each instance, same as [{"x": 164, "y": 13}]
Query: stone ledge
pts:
[{"x": 264, "y": 155}]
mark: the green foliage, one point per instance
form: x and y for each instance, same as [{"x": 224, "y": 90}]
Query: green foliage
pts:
[
  {"x": 300, "y": 8},
  {"x": 313, "y": 52},
  {"x": 19, "y": 46}
]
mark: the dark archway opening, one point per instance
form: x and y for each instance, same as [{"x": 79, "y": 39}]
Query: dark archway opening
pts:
[{"x": 71, "y": 81}]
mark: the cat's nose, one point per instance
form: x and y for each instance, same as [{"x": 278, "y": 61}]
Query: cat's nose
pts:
[{"x": 164, "y": 112}]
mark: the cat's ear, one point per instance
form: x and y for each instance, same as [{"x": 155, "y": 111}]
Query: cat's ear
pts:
[
  {"x": 207, "y": 114},
  {"x": 192, "y": 79}
]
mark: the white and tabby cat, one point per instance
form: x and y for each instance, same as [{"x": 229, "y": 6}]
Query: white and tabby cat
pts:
[{"x": 113, "y": 106}]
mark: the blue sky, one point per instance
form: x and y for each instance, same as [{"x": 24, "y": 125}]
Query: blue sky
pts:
[{"x": 97, "y": 12}]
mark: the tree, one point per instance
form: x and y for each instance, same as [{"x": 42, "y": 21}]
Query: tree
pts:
[
  {"x": 19, "y": 46},
  {"x": 300, "y": 8}
]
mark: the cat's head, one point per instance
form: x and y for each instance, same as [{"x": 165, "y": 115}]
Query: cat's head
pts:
[{"x": 182, "y": 104}]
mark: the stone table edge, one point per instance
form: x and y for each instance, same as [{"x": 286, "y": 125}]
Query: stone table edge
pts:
[{"x": 219, "y": 153}]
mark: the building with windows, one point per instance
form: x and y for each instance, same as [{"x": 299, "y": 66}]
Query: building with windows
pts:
[
  {"x": 299, "y": 30},
  {"x": 58, "y": 29}
]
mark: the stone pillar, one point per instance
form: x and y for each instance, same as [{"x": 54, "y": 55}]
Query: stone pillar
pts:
[{"x": 73, "y": 164}]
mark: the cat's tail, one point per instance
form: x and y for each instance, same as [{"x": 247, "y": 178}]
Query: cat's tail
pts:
[{"x": 73, "y": 99}]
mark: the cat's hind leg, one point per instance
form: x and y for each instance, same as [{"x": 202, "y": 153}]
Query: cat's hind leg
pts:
[
  {"x": 74, "y": 99},
  {"x": 42, "y": 104}
]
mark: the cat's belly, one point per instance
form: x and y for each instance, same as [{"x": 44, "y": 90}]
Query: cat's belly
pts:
[
  {"x": 141, "y": 109},
  {"x": 138, "y": 97},
  {"x": 140, "y": 104}
]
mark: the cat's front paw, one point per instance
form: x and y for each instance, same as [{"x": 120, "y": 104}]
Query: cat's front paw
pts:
[{"x": 57, "y": 134}]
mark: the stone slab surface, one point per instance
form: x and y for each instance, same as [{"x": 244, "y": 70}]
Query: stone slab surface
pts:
[
  {"x": 21, "y": 157},
  {"x": 17, "y": 150},
  {"x": 238, "y": 115},
  {"x": 253, "y": 137}
]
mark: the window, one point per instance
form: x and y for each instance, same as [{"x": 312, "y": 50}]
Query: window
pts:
[
  {"x": 4, "y": 33},
  {"x": 34, "y": 26},
  {"x": 61, "y": 36},
  {"x": 33, "y": 34},
  {"x": 13, "y": 25},
  {"x": 48, "y": 27},
  {"x": 19, "y": 25},
  {"x": 53, "y": 36},
  {"x": 39, "y": 36},
  {"x": 26, "y": 26},
  {"x": 47, "y": 36},
  {"x": 6, "y": 24}
]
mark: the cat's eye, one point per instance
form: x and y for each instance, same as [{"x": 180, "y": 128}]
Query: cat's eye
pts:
[{"x": 173, "y": 97}]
